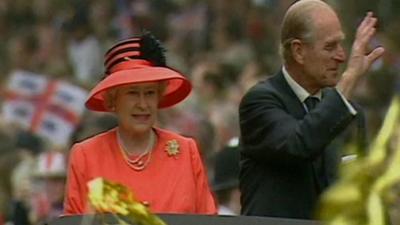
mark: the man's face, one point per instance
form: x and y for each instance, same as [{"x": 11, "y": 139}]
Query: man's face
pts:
[
  {"x": 136, "y": 106},
  {"x": 322, "y": 57}
]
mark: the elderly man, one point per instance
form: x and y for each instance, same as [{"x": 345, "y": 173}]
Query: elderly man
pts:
[{"x": 288, "y": 121}]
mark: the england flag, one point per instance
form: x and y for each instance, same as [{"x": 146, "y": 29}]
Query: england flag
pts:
[{"x": 50, "y": 108}]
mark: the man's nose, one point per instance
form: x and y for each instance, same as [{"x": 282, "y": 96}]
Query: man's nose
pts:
[{"x": 340, "y": 55}]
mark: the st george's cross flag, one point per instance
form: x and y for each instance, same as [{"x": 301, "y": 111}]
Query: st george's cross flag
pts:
[{"x": 50, "y": 108}]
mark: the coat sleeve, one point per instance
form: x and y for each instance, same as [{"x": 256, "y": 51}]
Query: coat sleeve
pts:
[
  {"x": 270, "y": 133},
  {"x": 205, "y": 202},
  {"x": 76, "y": 191}
]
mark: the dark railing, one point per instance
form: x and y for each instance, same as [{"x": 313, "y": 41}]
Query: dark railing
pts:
[{"x": 181, "y": 219}]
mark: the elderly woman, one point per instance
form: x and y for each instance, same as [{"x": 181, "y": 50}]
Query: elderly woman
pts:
[{"x": 162, "y": 168}]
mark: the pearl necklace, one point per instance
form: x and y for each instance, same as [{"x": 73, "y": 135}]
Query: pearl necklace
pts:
[{"x": 138, "y": 163}]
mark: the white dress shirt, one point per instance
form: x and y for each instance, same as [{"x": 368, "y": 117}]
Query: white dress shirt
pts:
[{"x": 302, "y": 93}]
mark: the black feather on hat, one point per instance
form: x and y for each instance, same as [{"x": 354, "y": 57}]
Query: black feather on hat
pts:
[{"x": 152, "y": 50}]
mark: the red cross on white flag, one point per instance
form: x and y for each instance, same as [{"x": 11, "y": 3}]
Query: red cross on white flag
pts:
[{"x": 50, "y": 108}]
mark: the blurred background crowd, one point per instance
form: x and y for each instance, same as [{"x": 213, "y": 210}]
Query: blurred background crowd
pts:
[{"x": 223, "y": 46}]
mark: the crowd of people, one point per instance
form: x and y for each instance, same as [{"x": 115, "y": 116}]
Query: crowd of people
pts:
[{"x": 223, "y": 47}]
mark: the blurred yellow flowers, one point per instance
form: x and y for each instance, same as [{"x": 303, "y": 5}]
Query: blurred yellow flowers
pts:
[
  {"x": 367, "y": 186},
  {"x": 108, "y": 197}
]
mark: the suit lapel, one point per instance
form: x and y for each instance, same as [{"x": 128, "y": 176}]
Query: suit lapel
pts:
[
  {"x": 291, "y": 101},
  {"x": 296, "y": 108}
]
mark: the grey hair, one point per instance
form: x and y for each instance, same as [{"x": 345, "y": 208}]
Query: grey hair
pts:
[{"x": 298, "y": 24}]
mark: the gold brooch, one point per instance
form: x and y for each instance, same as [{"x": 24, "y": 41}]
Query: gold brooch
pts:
[{"x": 172, "y": 148}]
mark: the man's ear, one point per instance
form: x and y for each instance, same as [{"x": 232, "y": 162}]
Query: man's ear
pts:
[{"x": 297, "y": 49}]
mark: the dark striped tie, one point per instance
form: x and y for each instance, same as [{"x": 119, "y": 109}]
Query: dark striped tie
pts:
[{"x": 311, "y": 102}]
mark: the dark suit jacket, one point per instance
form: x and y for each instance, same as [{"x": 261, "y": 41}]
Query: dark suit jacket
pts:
[{"x": 285, "y": 159}]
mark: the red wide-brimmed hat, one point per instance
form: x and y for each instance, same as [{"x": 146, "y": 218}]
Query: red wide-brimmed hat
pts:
[{"x": 138, "y": 60}]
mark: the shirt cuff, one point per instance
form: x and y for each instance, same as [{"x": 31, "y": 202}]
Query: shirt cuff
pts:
[{"x": 347, "y": 103}]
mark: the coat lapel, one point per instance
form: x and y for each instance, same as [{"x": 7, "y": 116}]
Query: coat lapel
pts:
[
  {"x": 290, "y": 100},
  {"x": 296, "y": 108}
]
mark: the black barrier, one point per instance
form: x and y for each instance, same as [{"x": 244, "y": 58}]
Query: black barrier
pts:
[{"x": 181, "y": 219}]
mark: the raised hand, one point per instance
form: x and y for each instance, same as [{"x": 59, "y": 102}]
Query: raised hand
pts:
[{"x": 360, "y": 58}]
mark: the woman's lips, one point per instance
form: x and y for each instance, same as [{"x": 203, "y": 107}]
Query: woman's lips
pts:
[{"x": 141, "y": 117}]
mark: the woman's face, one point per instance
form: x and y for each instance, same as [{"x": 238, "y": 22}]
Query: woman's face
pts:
[{"x": 136, "y": 106}]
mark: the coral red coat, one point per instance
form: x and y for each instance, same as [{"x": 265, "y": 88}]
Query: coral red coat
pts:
[{"x": 169, "y": 184}]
